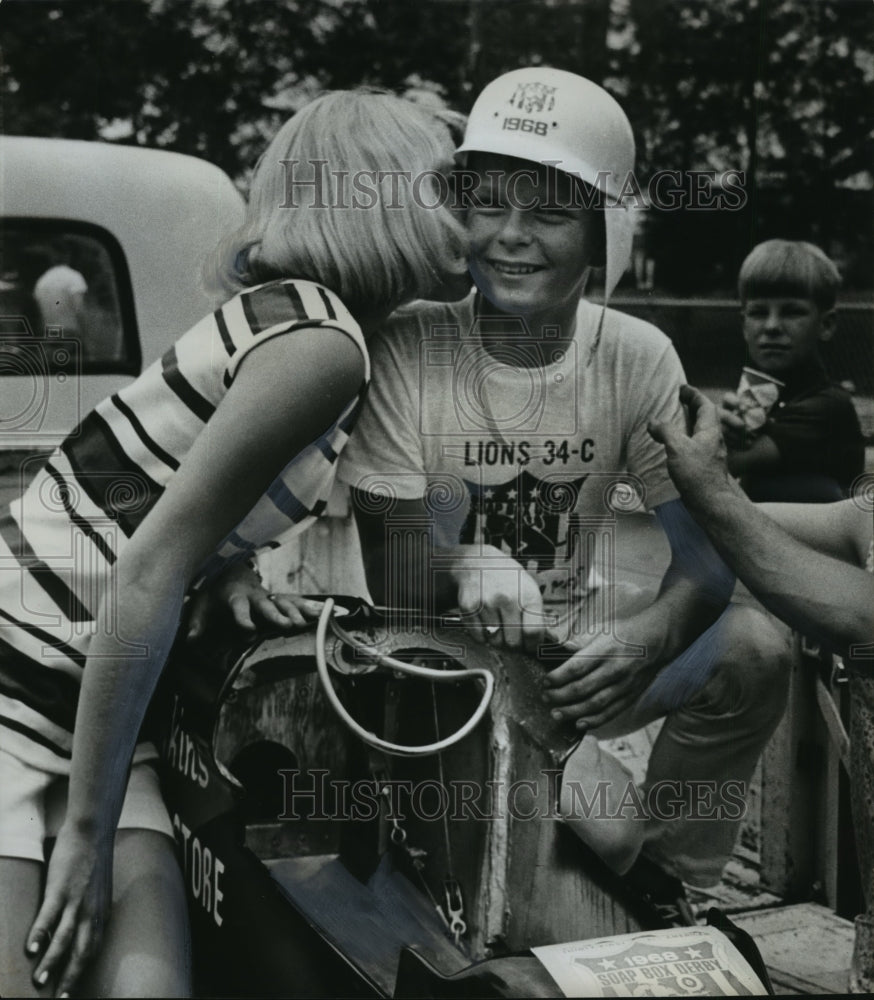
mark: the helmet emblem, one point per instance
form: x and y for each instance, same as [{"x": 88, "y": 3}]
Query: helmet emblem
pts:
[{"x": 530, "y": 97}]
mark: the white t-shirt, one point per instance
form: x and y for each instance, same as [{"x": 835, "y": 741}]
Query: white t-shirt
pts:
[{"x": 533, "y": 460}]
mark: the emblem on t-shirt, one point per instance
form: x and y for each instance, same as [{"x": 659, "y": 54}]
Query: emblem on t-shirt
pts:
[{"x": 525, "y": 516}]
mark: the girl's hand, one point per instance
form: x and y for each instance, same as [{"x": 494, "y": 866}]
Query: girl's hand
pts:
[
  {"x": 240, "y": 592},
  {"x": 69, "y": 926}
]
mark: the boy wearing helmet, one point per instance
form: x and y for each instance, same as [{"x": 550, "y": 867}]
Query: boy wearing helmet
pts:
[{"x": 514, "y": 423}]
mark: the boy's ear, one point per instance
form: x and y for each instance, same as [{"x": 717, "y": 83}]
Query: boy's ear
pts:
[{"x": 828, "y": 322}]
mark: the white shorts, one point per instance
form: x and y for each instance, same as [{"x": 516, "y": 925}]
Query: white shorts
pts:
[{"x": 33, "y": 803}]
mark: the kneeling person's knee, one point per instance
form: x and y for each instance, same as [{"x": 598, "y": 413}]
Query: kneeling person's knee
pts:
[{"x": 755, "y": 658}]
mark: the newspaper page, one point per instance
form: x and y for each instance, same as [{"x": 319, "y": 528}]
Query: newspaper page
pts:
[{"x": 677, "y": 962}]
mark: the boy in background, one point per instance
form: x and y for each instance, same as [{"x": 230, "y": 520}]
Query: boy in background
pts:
[{"x": 808, "y": 446}]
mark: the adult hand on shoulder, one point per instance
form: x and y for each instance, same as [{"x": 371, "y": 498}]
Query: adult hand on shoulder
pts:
[
  {"x": 68, "y": 929},
  {"x": 500, "y": 602},
  {"x": 238, "y": 591},
  {"x": 696, "y": 460}
]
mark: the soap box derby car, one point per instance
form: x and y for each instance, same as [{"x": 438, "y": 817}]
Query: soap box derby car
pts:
[
  {"x": 367, "y": 807},
  {"x": 319, "y": 858}
]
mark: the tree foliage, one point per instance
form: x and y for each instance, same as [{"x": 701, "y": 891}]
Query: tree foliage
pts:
[{"x": 780, "y": 89}]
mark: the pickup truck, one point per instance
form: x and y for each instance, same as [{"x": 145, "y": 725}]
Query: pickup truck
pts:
[{"x": 101, "y": 248}]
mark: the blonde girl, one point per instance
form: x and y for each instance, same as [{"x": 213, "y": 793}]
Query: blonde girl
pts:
[{"x": 229, "y": 439}]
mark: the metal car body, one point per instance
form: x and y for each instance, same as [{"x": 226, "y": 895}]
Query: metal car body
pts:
[
  {"x": 311, "y": 868},
  {"x": 296, "y": 888},
  {"x": 146, "y": 220}
]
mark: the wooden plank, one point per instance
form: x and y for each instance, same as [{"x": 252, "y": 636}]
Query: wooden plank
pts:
[
  {"x": 526, "y": 878},
  {"x": 833, "y": 722},
  {"x": 836, "y": 752},
  {"x": 806, "y": 948},
  {"x": 789, "y": 780},
  {"x": 550, "y": 894}
]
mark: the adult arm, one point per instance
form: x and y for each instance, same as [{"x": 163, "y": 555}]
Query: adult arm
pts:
[
  {"x": 285, "y": 394},
  {"x": 841, "y": 529},
  {"x": 812, "y": 591}
]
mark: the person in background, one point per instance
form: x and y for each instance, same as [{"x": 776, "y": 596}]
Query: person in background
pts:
[
  {"x": 60, "y": 294},
  {"x": 791, "y": 434},
  {"x": 813, "y": 565},
  {"x": 228, "y": 440}
]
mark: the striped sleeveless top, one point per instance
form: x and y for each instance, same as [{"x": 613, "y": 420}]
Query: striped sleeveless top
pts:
[{"x": 59, "y": 541}]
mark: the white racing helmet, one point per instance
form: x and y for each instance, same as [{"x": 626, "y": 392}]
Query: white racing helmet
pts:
[{"x": 559, "y": 119}]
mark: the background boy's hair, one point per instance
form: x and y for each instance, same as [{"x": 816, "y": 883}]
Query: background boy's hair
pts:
[{"x": 789, "y": 267}]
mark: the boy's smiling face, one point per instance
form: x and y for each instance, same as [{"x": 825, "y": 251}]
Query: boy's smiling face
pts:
[
  {"x": 784, "y": 332},
  {"x": 530, "y": 245}
]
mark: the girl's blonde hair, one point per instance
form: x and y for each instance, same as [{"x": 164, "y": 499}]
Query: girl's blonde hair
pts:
[{"x": 351, "y": 193}]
